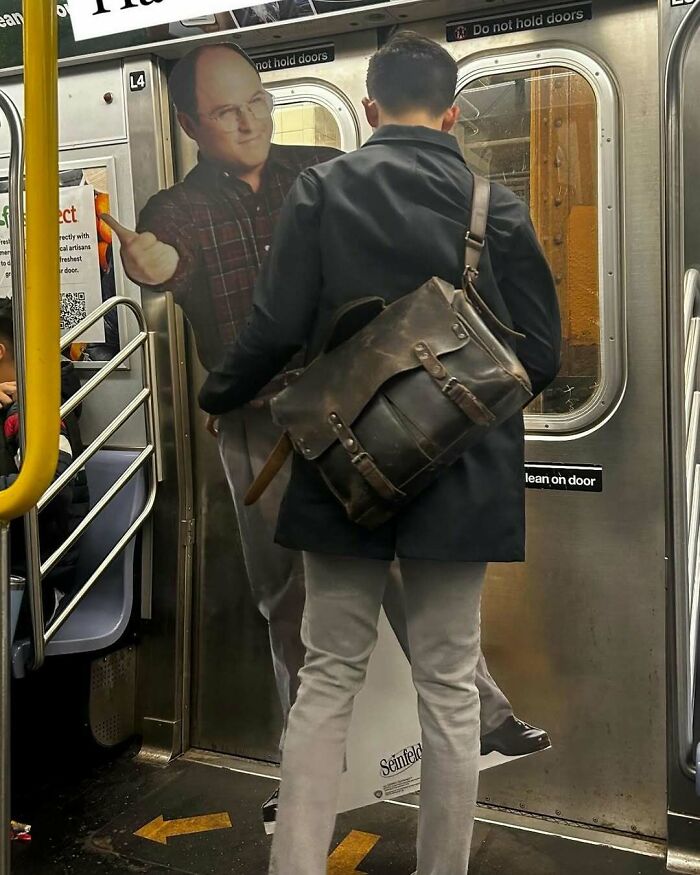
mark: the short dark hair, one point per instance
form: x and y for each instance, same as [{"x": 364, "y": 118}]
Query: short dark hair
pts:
[
  {"x": 7, "y": 328},
  {"x": 412, "y": 72},
  {"x": 182, "y": 82}
]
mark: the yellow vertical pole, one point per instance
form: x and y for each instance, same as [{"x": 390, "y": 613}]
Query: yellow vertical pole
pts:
[
  {"x": 41, "y": 307},
  {"x": 40, "y": 370}
]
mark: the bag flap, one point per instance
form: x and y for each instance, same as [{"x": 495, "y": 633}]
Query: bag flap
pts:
[{"x": 344, "y": 380}]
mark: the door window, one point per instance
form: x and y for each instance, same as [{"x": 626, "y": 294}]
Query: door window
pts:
[
  {"x": 538, "y": 130},
  {"x": 305, "y": 124}
]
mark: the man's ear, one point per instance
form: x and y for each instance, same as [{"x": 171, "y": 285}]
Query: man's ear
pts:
[
  {"x": 449, "y": 119},
  {"x": 188, "y": 125},
  {"x": 371, "y": 112}
]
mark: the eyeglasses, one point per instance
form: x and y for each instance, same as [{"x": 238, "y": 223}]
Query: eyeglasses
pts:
[{"x": 229, "y": 117}]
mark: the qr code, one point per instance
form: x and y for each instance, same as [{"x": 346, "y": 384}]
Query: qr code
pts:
[{"x": 73, "y": 309}]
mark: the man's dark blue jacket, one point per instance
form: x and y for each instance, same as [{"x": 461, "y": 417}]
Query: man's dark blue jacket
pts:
[{"x": 381, "y": 221}]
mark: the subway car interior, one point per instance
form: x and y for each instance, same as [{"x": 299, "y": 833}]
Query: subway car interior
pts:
[{"x": 145, "y": 722}]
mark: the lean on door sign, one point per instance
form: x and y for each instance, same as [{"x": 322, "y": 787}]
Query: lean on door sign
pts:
[
  {"x": 564, "y": 478},
  {"x": 94, "y": 18}
]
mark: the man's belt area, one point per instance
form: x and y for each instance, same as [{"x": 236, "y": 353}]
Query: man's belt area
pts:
[{"x": 275, "y": 386}]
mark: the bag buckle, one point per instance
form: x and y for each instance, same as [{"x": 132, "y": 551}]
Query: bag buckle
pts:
[
  {"x": 449, "y": 385},
  {"x": 474, "y": 241},
  {"x": 470, "y": 272}
]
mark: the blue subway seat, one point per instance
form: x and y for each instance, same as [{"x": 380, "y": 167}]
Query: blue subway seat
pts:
[{"x": 102, "y": 616}]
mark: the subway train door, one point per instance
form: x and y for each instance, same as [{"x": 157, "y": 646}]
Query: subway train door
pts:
[
  {"x": 576, "y": 635},
  {"x": 235, "y": 708}
]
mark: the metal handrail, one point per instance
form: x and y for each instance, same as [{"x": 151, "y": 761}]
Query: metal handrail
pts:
[
  {"x": 77, "y": 331},
  {"x": 63, "y": 615},
  {"x": 693, "y": 444},
  {"x": 37, "y": 570},
  {"x": 691, "y": 289},
  {"x": 674, "y": 397},
  {"x": 18, "y": 271},
  {"x": 5, "y": 683},
  {"x": 17, "y": 261},
  {"x": 104, "y": 372},
  {"x": 693, "y": 524},
  {"x": 36, "y": 342},
  {"x": 40, "y": 320},
  {"x": 87, "y": 454},
  {"x": 691, "y": 293},
  {"x": 95, "y": 511},
  {"x": 690, "y": 367}
]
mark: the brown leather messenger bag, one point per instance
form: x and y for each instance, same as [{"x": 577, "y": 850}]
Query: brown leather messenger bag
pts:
[{"x": 383, "y": 412}]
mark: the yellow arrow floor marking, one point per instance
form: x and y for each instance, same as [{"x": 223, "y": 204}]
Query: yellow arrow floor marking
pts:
[
  {"x": 351, "y": 852},
  {"x": 160, "y": 830}
]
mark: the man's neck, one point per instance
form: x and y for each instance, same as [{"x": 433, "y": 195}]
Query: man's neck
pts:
[{"x": 412, "y": 119}]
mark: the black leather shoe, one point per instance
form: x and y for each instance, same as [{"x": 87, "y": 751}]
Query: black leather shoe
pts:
[
  {"x": 514, "y": 738},
  {"x": 269, "y": 812}
]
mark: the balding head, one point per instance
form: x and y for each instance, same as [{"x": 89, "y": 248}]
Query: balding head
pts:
[
  {"x": 223, "y": 106},
  {"x": 182, "y": 82}
]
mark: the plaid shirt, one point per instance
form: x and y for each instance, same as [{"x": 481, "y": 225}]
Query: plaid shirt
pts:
[{"x": 222, "y": 230}]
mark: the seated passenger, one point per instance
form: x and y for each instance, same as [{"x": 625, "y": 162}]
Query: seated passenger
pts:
[{"x": 60, "y": 518}]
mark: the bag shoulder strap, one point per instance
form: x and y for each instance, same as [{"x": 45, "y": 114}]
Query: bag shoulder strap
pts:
[{"x": 475, "y": 238}]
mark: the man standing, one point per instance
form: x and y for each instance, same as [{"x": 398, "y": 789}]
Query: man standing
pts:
[
  {"x": 205, "y": 240},
  {"x": 383, "y": 220}
]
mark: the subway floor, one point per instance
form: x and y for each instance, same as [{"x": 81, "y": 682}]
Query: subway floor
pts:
[
  {"x": 103, "y": 812},
  {"x": 124, "y": 817}
]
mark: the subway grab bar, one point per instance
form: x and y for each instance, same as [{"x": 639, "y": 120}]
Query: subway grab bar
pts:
[
  {"x": 149, "y": 454},
  {"x": 63, "y": 615},
  {"x": 99, "y": 442},
  {"x": 109, "y": 496},
  {"x": 676, "y": 327},
  {"x": 18, "y": 271},
  {"x": 38, "y": 310},
  {"x": 35, "y": 282}
]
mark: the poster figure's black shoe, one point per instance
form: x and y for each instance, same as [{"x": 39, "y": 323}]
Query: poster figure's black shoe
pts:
[
  {"x": 514, "y": 738},
  {"x": 269, "y": 813}
]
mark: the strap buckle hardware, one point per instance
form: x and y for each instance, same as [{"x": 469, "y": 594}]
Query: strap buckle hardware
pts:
[
  {"x": 449, "y": 385},
  {"x": 473, "y": 240},
  {"x": 471, "y": 272}
]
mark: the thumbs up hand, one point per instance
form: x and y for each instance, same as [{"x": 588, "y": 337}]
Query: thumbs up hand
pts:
[{"x": 147, "y": 261}]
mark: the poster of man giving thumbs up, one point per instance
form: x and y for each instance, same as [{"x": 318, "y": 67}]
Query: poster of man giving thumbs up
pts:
[{"x": 205, "y": 240}]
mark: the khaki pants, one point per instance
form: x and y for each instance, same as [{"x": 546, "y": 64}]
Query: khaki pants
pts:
[
  {"x": 343, "y": 599},
  {"x": 276, "y": 575}
]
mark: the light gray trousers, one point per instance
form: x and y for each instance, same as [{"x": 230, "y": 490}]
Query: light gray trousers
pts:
[
  {"x": 246, "y": 438},
  {"x": 343, "y": 600}
]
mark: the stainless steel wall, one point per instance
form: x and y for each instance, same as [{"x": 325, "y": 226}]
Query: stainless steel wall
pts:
[
  {"x": 576, "y": 636},
  {"x": 164, "y": 654}
]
